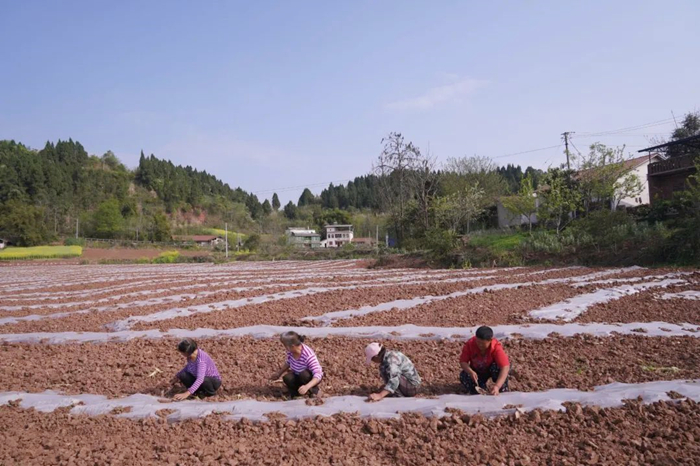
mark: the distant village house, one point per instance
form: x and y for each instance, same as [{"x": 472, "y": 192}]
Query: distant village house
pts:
[
  {"x": 338, "y": 235},
  {"x": 201, "y": 240},
  {"x": 303, "y": 237}
]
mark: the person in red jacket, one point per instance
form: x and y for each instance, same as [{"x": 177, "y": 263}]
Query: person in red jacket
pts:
[{"x": 482, "y": 359}]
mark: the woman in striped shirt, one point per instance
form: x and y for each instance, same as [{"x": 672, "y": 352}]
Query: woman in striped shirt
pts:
[
  {"x": 302, "y": 371},
  {"x": 199, "y": 375}
]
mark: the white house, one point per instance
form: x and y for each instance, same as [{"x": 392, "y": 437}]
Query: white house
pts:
[
  {"x": 338, "y": 235},
  {"x": 507, "y": 219},
  {"x": 640, "y": 167}
]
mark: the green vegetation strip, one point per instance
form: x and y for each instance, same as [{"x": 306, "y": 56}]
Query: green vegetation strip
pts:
[
  {"x": 498, "y": 242},
  {"x": 40, "y": 252}
]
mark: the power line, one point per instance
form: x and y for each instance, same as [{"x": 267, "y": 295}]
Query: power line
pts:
[
  {"x": 572, "y": 144},
  {"x": 629, "y": 128},
  {"x": 625, "y": 135},
  {"x": 581, "y": 135},
  {"x": 527, "y": 151}
]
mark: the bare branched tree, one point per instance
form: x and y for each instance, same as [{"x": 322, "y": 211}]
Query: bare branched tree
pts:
[
  {"x": 425, "y": 186},
  {"x": 397, "y": 168}
]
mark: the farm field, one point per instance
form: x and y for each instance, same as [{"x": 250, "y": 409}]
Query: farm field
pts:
[
  {"x": 40, "y": 252},
  {"x": 605, "y": 364}
]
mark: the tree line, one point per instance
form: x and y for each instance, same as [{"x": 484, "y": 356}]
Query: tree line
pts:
[
  {"x": 420, "y": 203},
  {"x": 52, "y": 192}
]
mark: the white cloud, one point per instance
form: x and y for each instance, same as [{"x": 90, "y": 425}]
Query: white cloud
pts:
[{"x": 453, "y": 92}]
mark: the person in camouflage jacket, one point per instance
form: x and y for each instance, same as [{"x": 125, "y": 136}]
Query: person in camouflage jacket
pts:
[{"x": 398, "y": 372}]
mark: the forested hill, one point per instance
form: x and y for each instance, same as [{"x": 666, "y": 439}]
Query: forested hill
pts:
[{"x": 43, "y": 193}]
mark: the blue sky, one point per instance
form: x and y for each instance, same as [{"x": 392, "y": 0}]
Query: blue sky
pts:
[{"x": 269, "y": 95}]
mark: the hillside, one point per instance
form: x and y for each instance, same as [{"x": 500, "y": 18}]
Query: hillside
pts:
[{"x": 46, "y": 193}]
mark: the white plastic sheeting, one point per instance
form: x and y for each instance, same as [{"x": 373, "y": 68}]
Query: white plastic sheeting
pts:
[
  {"x": 141, "y": 406},
  {"x": 403, "y": 304},
  {"x": 401, "y": 332},
  {"x": 571, "y": 308},
  {"x": 691, "y": 295}
]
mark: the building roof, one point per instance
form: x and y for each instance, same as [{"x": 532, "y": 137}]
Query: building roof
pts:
[
  {"x": 335, "y": 226},
  {"x": 638, "y": 161},
  {"x": 629, "y": 164},
  {"x": 300, "y": 230},
  {"x": 691, "y": 141},
  {"x": 305, "y": 234}
]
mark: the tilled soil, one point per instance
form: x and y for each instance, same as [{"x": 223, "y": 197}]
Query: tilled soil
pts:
[
  {"x": 96, "y": 321},
  {"x": 647, "y": 306},
  {"x": 169, "y": 286},
  {"x": 145, "y": 366},
  {"x": 279, "y": 312},
  {"x": 291, "y": 311},
  {"x": 493, "y": 307},
  {"x": 661, "y": 433}
]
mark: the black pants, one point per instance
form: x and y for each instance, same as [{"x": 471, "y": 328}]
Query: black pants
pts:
[
  {"x": 492, "y": 374},
  {"x": 208, "y": 387},
  {"x": 295, "y": 381}
]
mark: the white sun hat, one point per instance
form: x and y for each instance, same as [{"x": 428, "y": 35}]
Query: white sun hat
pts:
[{"x": 371, "y": 351}]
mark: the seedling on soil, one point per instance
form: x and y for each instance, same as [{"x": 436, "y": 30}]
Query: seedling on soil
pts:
[{"x": 650, "y": 368}]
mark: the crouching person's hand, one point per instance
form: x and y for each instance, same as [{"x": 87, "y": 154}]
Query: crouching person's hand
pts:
[{"x": 181, "y": 396}]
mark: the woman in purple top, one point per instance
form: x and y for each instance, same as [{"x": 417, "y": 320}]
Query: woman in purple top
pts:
[
  {"x": 199, "y": 375},
  {"x": 301, "y": 369}
]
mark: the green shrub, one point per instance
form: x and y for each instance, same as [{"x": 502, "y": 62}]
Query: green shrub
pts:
[
  {"x": 440, "y": 243},
  {"x": 167, "y": 257},
  {"x": 545, "y": 241},
  {"x": 252, "y": 243},
  {"x": 74, "y": 242}
]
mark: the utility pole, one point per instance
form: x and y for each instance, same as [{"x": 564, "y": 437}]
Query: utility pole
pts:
[
  {"x": 226, "y": 239},
  {"x": 377, "y": 237},
  {"x": 77, "y": 226},
  {"x": 565, "y": 135}
]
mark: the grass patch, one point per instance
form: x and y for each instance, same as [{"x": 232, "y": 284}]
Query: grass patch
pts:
[
  {"x": 498, "y": 242},
  {"x": 40, "y": 252}
]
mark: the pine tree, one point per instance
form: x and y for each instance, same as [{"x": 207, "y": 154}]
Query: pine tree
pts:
[{"x": 266, "y": 208}]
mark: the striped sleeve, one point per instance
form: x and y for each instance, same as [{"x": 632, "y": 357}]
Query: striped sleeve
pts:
[
  {"x": 313, "y": 365},
  {"x": 201, "y": 373}
]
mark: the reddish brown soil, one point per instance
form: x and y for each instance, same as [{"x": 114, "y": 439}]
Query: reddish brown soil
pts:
[
  {"x": 95, "y": 321},
  {"x": 488, "y": 308},
  {"x": 291, "y": 311},
  {"x": 661, "y": 433},
  {"x": 169, "y": 286},
  {"x": 246, "y": 364},
  {"x": 647, "y": 307}
]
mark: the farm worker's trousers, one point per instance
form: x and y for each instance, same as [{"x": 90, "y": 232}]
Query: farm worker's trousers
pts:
[{"x": 468, "y": 382}]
